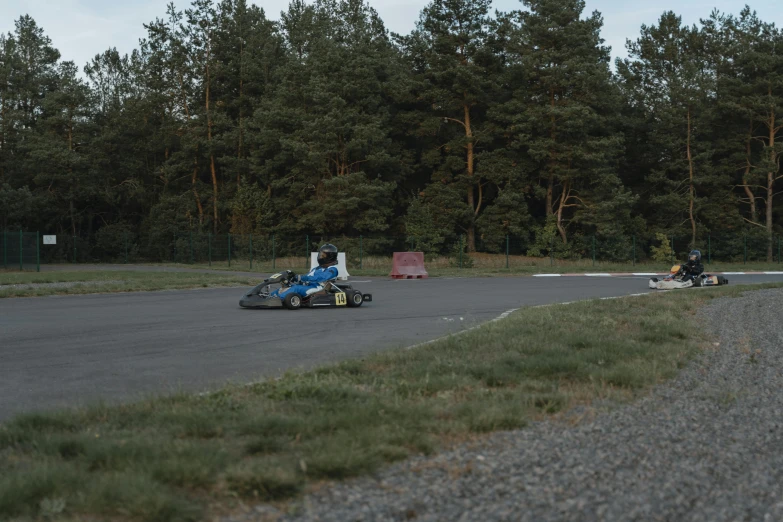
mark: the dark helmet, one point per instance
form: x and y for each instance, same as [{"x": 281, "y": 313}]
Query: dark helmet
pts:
[
  {"x": 327, "y": 255},
  {"x": 694, "y": 257}
]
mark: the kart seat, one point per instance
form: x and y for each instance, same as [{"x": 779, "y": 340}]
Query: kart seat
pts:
[{"x": 334, "y": 286}]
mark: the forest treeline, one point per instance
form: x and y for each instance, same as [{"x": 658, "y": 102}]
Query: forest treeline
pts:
[{"x": 478, "y": 123}]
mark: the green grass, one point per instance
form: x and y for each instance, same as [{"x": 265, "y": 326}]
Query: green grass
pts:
[
  {"x": 88, "y": 282},
  {"x": 484, "y": 265},
  {"x": 184, "y": 457}
]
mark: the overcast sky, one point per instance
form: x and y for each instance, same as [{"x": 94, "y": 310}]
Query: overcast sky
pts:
[{"x": 82, "y": 28}]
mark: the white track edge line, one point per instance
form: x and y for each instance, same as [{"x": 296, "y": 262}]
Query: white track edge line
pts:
[
  {"x": 509, "y": 312},
  {"x": 455, "y": 334}
]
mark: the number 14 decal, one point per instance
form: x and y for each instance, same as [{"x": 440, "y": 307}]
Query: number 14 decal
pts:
[{"x": 340, "y": 299}]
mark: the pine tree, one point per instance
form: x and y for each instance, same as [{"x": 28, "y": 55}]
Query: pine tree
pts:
[
  {"x": 473, "y": 124},
  {"x": 28, "y": 73},
  {"x": 755, "y": 83},
  {"x": 729, "y": 139},
  {"x": 168, "y": 90},
  {"x": 198, "y": 35},
  {"x": 666, "y": 74},
  {"x": 248, "y": 51},
  {"x": 121, "y": 116},
  {"x": 455, "y": 70},
  {"x": 562, "y": 116},
  {"x": 322, "y": 141},
  {"x": 59, "y": 150}
]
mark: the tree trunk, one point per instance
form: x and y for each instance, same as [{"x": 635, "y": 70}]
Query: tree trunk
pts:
[
  {"x": 550, "y": 188},
  {"x": 560, "y": 228},
  {"x": 241, "y": 107},
  {"x": 471, "y": 231},
  {"x": 71, "y": 208},
  {"x": 748, "y": 191},
  {"x": 549, "y": 193},
  {"x": 771, "y": 181},
  {"x": 239, "y": 147},
  {"x": 214, "y": 193},
  {"x": 195, "y": 194},
  {"x": 4, "y": 124},
  {"x": 72, "y": 211},
  {"x": 211, "y": 153},
  {"x": 163, "y": 176},
  {"x": 691, "y": 189}
]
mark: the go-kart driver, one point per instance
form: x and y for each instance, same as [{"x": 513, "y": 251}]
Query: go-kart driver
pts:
[
  {"x": 313, "y": 281},
  {"x": 693, "y": 268}
]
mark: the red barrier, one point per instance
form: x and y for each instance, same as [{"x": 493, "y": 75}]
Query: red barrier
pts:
[{"x": 408, "y": 265}]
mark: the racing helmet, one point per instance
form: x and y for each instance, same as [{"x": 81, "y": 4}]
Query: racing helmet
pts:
[
  {"x": 694, "y": 257},
  {"x": 327, "y": 255}
]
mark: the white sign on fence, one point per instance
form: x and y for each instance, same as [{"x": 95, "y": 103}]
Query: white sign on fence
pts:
[
  {"x": 342, "y": 271},
  {"x": 50, "y": 240}
]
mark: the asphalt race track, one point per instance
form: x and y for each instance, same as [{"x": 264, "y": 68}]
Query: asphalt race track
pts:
[{"x": 72, "y": 350}]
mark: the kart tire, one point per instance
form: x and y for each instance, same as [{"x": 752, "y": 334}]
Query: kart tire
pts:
[
  {"x": 292, "y": 301},
  {"x": 355, "y": 299}
]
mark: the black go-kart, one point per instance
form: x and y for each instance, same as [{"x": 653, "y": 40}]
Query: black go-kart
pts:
[{"x": 332, "y": 294}]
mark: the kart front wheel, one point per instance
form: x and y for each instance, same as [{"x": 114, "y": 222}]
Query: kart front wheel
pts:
[
  {"x": 355, "y": 299},
  {"x": 292, "y": 301}
]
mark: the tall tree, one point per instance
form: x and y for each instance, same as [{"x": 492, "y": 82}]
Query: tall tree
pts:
[
  {"x": 62, "y": 145},
  {"x": 8, "y": 67},
  {"x": 666, "y": 73},
  {"x": 168, "y": 87},
  {"x": 122, "y": 161},
  {"x": 755, "y": 83},
  {"x": 28, "y": 74},
  {"x": 198, "y": 35},
  {"x": 322, "y": 141},
  {"x": 562, "y": 115},
  {"x": 455, "y": 68}
]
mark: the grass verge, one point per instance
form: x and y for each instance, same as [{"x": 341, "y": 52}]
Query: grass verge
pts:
[
  {"x": 484, "y": 265},
  {"x": 88, "y": 282},
  {"x": 181, "y": 458}
]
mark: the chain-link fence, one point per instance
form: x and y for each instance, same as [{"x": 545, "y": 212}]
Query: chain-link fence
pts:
[
  {"x": 270, "y": 252},
  {"x": 20, "y": 250}
]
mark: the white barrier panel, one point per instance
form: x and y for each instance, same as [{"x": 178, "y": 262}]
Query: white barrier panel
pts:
[{"x": 341, "y": 270}]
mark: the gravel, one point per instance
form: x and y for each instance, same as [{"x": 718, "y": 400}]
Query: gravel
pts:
[{"x": 707, "y": 446}]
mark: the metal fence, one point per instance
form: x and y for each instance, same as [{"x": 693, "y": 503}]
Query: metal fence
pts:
[
  {"x": 24, "y": 250},
  {"x": 20, "y": 250}
]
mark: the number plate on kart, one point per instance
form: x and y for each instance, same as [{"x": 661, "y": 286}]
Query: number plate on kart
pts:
[{"x": 340, "y": 299}]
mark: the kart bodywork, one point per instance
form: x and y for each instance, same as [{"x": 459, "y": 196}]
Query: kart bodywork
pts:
[
  {"x": 676, "y": 280},
  {"x": 332, "y": 294}
]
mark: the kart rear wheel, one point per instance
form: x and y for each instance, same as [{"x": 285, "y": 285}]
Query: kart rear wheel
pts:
[
  {"x": 355, "y": 299},
  {"x": 292, "y": 301}
]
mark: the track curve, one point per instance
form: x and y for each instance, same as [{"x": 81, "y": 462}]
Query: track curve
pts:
[{"x": 72, "y": 350}]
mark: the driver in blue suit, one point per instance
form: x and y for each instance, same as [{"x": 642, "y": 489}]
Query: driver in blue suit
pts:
[{"x": 314, "y": 281}]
